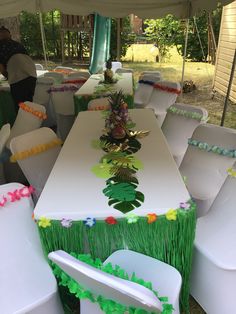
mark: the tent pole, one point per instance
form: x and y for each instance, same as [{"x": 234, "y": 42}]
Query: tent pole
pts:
[
  {"x": 228, "y": 90},
  {"x": 43, "y": 39},
  {"x": 184, "y": 57}
]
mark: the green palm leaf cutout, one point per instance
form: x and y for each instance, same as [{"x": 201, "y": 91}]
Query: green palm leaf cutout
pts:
[
  {"x": 102, "y": 170},
  {"x": 127, "y": 206},
  {"x": 124, "y": 174},
  {"x": 123, "y": 160},
  {"x": 123, "y": 191},
  {"x": 131, "y": 144}
]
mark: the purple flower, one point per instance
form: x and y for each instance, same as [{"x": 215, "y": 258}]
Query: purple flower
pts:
[
  {"x": 184, "y": 205},
  {"x": 66, "y": 223}
]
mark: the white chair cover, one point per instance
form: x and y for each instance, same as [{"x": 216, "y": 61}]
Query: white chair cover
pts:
[
  {"x": 78, "y": 74},
  {"x": 58, "y": 77},
  {"x": 39, "y": 66},
  {"x": 64, "y": 68},
  {"x": 99, "y": 104},
  {"x": 27, "y": 284},
  {"x": 36, "y": 168},
  {"x": 77, "y": 80},
  {"x": 26, "y": 121},
  {"x": 4, "y": 135},
  {"x": 43, "y": 97},
  {"x": 142, "y": 95},
  {"x": 168, "y": 280},
  {"x": 213, "y": 279},
  {"x": 179, "y": 128},
  {"x": 150, "y": 77},
  {"x": 205, "y": 171},
  {"x": 161, "y": 100},
  {"x": 63, "y": 104}
]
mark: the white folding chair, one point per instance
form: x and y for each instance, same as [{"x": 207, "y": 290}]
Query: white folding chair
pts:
[
  {"x": 142, "y": 94},
  {"x": 78, "y": 74},
  {"x": 63, "y": 104},
  {"x": 162, "y": 98},
  {"x": 124, "y": 70},
  {"x": 4, "y": 135},
  {"x": 58, "y": 77},
  {"x": 36, "y": 153},
  {"x": 168, "y": 281},
  {"x": 27, "y": 283},
  {"x": 203, "y": 167},
  {"x": 213, "y": 278},
  {"x": 26, "y": 121},
  {"x": 178, "y": 126},
  {"x": 39, "y": 66},
  {"x": 42, "y": 97},
  {"x": 99, "y": 104}
]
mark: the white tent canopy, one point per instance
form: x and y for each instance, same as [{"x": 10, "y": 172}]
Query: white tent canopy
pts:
[{"x": 111, "y": 8}]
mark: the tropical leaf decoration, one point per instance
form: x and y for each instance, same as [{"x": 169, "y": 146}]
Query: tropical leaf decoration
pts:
[{"x": 123, "y": 174}]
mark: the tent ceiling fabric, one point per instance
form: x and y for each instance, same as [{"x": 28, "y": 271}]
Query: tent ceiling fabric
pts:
[{"x": 111, "y": 8}]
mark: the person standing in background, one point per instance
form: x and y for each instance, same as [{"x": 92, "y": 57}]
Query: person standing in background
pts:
[{"x": 17, "y": 66}]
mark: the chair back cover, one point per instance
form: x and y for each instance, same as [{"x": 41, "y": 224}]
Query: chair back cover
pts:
[
  {"x": 204, "y": 170},
  {"x": 99, "y": 104},
  {"x": 178, "y": 127},
  {"x": 26, "y": 121},
  {"x": 161, "y": 100},
  {"x": 4, "y": 135},
  {"x": 150, "y": 77},
  {"x": 38, "y": 166},
  {"x": 124, "y": 70},
  {"x": 58, "y": 77},
  {"x": 216, "y": 232},
  {"x": 26, "y": 278},
  {"x": 106, "y": 285},
  {"x": 142, "y": 95},
  {"x": 39, "y": 66},
  {"x": 60, "y": 67}
]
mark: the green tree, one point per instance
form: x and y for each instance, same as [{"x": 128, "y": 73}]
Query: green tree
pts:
[
  {"x": 162, "y": 33},
  {"x": 127, "y": 37}
]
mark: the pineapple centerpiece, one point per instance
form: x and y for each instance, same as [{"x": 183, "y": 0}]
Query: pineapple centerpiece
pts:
[
  {"x": 108, "y": 73},
  {"x": 116, "y": 122}
]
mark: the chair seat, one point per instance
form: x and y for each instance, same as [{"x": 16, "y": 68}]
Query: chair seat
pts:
[{"x": 219, "y": 247}]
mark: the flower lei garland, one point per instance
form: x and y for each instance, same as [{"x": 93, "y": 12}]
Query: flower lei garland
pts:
[
  {"x": 35, "y": 150},
  {"x": 36, "y": 113},
  {"x": 161, "y": 87},
  {"x": 106, "y": 305},
  {"x": 65, "y": 88},
  {"x": 16, "y": 195},
  {"x": 131, "y": 218},
  {"x": 213, "y": 148},
  {"x": 187, "y": 114},
  {"x": 231, "y": 172},
  {"x": 63, "y": 71}
]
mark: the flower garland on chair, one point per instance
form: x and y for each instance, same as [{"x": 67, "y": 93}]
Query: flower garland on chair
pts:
[
  {"x": 167, "y": 88},
  {"x": 16, "y": 195},
  {"x": 35, "y": 150},
  {"x": 64, "y": 88},
  {"x": 106, "y": 305},
  {"x": 81, "y": 81},
  {"x": 187, "y": 114},
  {"x": 213, "y": 148},
  {"x": 36, "y": 113}
]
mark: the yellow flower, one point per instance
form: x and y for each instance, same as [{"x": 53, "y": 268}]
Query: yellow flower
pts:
[
  {"x": 171, "y": 214},
  {"x": 44, "y": 222},
  {"x": 231, "y": 172}
]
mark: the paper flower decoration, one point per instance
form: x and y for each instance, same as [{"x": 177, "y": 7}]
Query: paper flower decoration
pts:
[
  {"x": 111, "y": 220},
  {"x": 90, "y": 222},
  {"x": 44, "y": 222},
  {"x": 3, "y": 201},
  {"x": 132, "y": 218},
  {"x": 184, "y": 205},
  {"x": 66, "y": 223},
  {"x": 171, "y": 214},
  {"x": 151, "y": 218},
  {"x": 231, "y": 172}
]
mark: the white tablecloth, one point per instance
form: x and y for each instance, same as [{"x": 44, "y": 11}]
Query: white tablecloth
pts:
[
  {"x": 73, "y": 191},
  {"x": 125, "y": 82}
]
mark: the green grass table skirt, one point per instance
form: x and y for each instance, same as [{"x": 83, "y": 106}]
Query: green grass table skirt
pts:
[
  {"x": 7, "y": 108},
  {"x": 81, "y": 102},
  {"x": 167, "y": 240}
]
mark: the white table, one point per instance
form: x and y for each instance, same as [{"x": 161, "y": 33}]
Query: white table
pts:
[
  {"x": 160, "y": 180},
  {"x": 73, "y": 193}
]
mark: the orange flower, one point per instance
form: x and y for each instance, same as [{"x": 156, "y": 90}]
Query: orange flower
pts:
[{"x": 151, "y": 218}]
